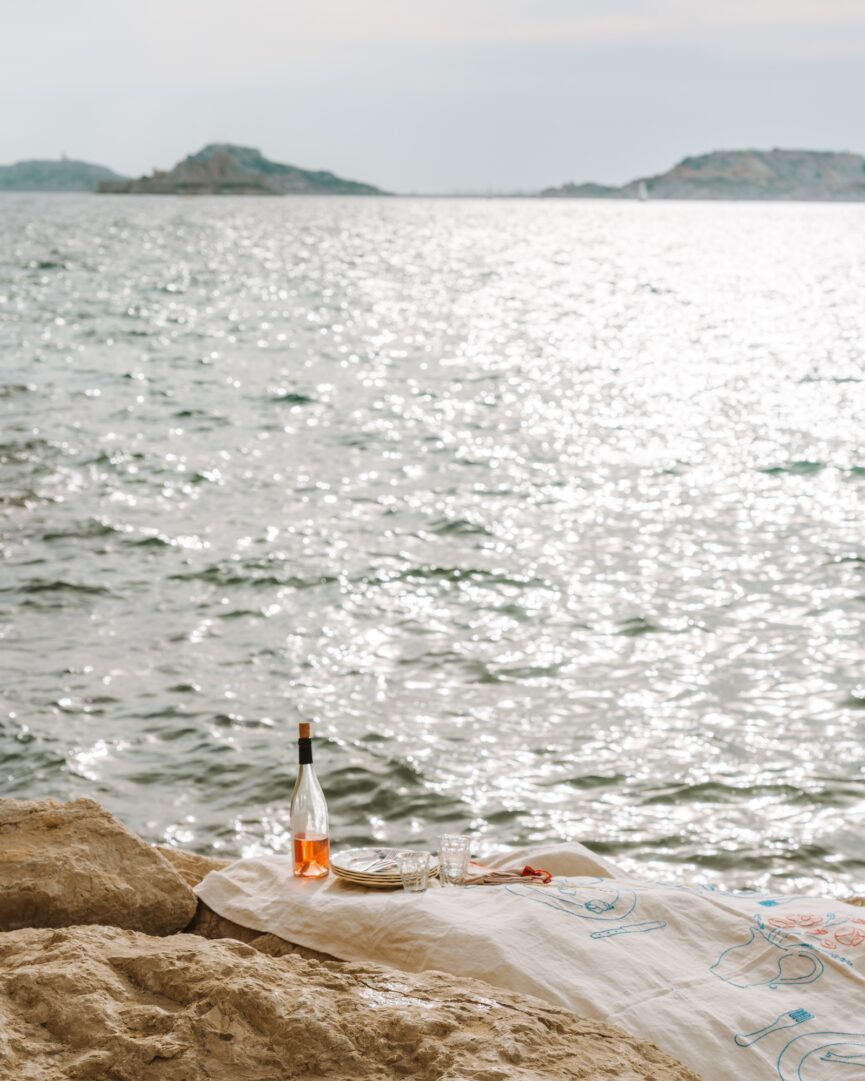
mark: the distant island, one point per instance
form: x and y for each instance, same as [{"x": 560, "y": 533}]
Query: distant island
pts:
[
  {"x": 225, "y": 169},
  {"x": 62, "y": 175},
  {"x": 809, "y": 175}
]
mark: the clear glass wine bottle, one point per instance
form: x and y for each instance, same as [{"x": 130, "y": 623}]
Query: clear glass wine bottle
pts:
[{"x": 309, "y": 821}]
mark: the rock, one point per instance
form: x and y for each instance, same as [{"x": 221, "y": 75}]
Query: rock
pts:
[
  {"x": 210, "y": 924},
  {"x": 68, "y": 863},
  {"x": 193, "y": 868},
  {"x": 183, "y": 1008},
  {"x": 190, "y": 865},
  {"x": 274, "y": 946}
]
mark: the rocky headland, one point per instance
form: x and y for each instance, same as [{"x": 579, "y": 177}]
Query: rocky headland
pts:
[
  {"x": 111, "y": 970},
  {"x": 225, "y": 169},
  {"x": 62, "y": 175},
  {"x": 808, "y": 175}
]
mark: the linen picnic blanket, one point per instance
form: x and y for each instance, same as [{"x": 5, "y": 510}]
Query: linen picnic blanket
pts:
[{"x": 740, "y": 987}]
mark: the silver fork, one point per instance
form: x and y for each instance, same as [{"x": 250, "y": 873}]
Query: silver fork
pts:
[{"x": 381, "y": 861}]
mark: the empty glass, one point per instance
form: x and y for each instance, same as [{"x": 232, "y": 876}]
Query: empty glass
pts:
[
  {"x": 414, "y": 870},
  {"x": 453, "y": 859}
]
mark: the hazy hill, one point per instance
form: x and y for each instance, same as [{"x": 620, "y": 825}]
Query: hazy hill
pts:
[
  {"x": 224, "y": 169},
  {"x": 742, "y": 174},
  {"x": 63, "y": 175}
]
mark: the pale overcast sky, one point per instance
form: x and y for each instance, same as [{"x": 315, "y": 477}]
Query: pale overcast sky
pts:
[{"x": 431, "y": 95}]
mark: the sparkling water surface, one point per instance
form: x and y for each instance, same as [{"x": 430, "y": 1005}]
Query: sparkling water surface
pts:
[{"x": 549, "y": 513}]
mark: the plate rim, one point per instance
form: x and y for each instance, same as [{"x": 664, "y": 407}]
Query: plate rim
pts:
[{"x": 335, "y": 858}]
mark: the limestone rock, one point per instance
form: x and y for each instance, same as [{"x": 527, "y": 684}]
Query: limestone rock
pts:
[
  {"x": 93, "y": 1003},
  {"x": 190, "y": 865},
  {"x": 193, "y": 868},
  {"x": 68, "y": 863},
  {"x": 274, "y": 946},
  {"x": 210, "y": 924}
]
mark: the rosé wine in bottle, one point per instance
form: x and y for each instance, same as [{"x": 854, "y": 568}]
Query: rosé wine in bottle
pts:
[{"x": 309, "y": 822}]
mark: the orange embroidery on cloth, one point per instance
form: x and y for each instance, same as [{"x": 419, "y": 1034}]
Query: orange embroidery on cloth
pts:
[
  {"x": 813, "y": 925},
  {"x": 850, "y": 936},
  {"x": 798, "y": 919}
]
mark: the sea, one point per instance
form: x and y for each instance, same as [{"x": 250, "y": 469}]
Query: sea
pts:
[{"x": 547, "y": 514}]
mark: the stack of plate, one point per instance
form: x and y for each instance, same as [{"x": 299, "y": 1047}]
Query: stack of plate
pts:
[{"x": 372, "y": 866}]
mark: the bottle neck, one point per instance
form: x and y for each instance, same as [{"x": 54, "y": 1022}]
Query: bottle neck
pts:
[{"x": 304, "y": 752}]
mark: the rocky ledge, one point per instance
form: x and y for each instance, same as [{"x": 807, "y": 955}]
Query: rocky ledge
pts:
[
  {"x": 62, "y": 864},
  {"x": 111, "y": 1003},
  {"x": 181, "y": 1007}
]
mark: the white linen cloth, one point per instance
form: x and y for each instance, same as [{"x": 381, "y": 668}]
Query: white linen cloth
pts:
[{"x": 740, "y": 987}]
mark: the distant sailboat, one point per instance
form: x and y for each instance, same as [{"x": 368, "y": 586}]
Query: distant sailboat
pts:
[{"x": 642, "y": 191}]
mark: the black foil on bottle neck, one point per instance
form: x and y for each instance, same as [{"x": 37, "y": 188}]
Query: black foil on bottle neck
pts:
[{"x": 304, "y": 752}]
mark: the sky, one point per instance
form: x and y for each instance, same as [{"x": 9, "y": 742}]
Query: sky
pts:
[{"x": 431, "y": 95}]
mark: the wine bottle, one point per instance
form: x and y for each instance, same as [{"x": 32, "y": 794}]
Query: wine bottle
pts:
[{"x": 309, "y": 825}]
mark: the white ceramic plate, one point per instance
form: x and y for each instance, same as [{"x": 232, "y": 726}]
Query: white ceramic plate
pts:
[
  {"x": 376, "y": 878},
  {"x": 373, "y": 883},
  {"x": 351, "y": 866},
  {"x": 355, "y": 861}
]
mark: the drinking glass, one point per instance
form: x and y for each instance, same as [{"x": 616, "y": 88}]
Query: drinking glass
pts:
[
  {"x": 414, "y": 870},
  {"x": 453, "y": 859}
]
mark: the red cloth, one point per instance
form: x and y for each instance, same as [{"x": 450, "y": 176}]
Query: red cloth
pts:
[{"x": 530, "y": 872}]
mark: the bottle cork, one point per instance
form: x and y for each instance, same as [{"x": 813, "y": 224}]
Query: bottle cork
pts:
[{"x": 304, "y": 730}]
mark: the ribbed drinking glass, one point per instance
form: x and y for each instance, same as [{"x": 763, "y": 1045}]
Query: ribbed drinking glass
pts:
[
  {"x": 414, "y": 870},
  {"x": 453, "y": 859}
]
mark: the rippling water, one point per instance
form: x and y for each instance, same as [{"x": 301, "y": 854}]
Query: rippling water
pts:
[{"x": 550, "y": 513}]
